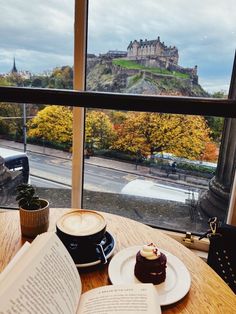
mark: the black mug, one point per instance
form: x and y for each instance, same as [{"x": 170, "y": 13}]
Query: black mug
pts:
[{"x": 82, "y": 232}]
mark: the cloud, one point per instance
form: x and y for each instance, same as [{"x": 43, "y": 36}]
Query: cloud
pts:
[
  {"x": 40, "y": 33},
  {"x": 32, "y": 59},
  {"x": 36, "y": 33}
]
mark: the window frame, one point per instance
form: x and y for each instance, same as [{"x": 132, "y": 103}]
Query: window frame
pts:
[
  {"x": 80, "y": 99},
  {"x": 162, "y": 104}
]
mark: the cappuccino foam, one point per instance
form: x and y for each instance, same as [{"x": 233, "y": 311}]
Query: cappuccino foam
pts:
[{"x": 81, "y": 223}]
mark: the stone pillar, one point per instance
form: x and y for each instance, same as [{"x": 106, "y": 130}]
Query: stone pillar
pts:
[{"x": 216, "y": 200}]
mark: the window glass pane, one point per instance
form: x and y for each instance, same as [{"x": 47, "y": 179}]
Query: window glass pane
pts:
[
  {"x": 151, "y": 167},
  {"x": 36, "y": 50},
  {"x": 156, "y": 168},
  {"x": 164, "y": 41},
  {"x": 42, "y": 157},
  {"x": 36, "y": 46}
]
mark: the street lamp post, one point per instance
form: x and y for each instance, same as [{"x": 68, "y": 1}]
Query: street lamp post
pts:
[{"x": 24, "y": 127}]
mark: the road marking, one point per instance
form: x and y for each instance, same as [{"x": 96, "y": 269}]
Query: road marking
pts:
[{"x": 146, "y": 188}]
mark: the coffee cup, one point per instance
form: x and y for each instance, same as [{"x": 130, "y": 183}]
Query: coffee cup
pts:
[{"x": 82, "y": 231}]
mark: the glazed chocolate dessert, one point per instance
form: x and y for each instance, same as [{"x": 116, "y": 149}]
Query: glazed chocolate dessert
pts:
[{"x": 150, "y": 266}]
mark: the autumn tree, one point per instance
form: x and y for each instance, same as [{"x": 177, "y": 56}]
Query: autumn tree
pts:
[
  {"x": 61, "y": 77},
  {"x": 4, "y": 81},
  {"x": 11, "y": 120},
  {"x": 117, "y": 117},
  {"x": 53, "y": 123},
  {"x": 15, "y": 79},
  {"x": 210, "y": 153},
  {"x": 99, "y": 130},
  {"x": 216, "y": 126},
  {"x": 11, "y": 115},
  {"x": 216, "y": 123},
  {"x": 148, "y": 133}
]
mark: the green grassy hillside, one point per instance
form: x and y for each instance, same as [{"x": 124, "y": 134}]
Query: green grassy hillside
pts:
[
  {"x": 130, "y": 64},
  {"x": 104, "y": 75}
]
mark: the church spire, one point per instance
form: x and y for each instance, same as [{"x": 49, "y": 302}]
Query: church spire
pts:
[{"x": 14, "y": 69}]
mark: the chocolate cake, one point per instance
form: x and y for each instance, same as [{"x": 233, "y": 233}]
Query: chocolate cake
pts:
[{"x": 150, "y": 266}]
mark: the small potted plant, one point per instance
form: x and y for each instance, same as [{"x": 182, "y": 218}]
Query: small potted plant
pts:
[{"x": 34, "y": 212}]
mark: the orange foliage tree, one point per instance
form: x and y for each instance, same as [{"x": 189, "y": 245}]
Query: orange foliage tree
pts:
[
  {"x": 148, "y": 133},
  {"x": 211, "y": 152}
]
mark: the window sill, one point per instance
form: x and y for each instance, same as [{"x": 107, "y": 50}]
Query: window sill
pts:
[{"x": 195, "y": 245}]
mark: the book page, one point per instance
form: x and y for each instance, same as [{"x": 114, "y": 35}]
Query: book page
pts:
[
  {"x": 44, "y": 281},
  {"x": 122, "y": 299}
]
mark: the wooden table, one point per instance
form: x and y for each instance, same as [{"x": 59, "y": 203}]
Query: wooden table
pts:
[{"x": 208, "y": 292}]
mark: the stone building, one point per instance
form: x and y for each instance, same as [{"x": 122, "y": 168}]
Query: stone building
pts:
[
  {"x": 116, "y": 54},
  {"x": 153, "y": 49}
]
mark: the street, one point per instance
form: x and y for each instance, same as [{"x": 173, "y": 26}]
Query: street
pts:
[{"x": 52, "y": 172}]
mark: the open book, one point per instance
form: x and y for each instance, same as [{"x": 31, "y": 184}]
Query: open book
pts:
[{"x": 42, "y": 278}]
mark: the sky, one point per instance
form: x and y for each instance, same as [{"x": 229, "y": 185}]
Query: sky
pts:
[{"x": 39, "y": 34}]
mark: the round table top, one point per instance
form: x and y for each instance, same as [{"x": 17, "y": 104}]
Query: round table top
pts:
[{"x": 208, "y": 292}]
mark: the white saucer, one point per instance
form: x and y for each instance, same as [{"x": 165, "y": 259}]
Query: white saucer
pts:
[
  {"x": 174, "y": 288},
  {"x": 108, "y": 255}
]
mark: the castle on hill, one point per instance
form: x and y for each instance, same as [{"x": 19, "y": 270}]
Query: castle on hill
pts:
[
  {"x": 152, "y": 49},
  {"x": 153, "y": 53}
]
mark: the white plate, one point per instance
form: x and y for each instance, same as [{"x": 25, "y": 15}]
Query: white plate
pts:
[{"x": 174, "y": 288}]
